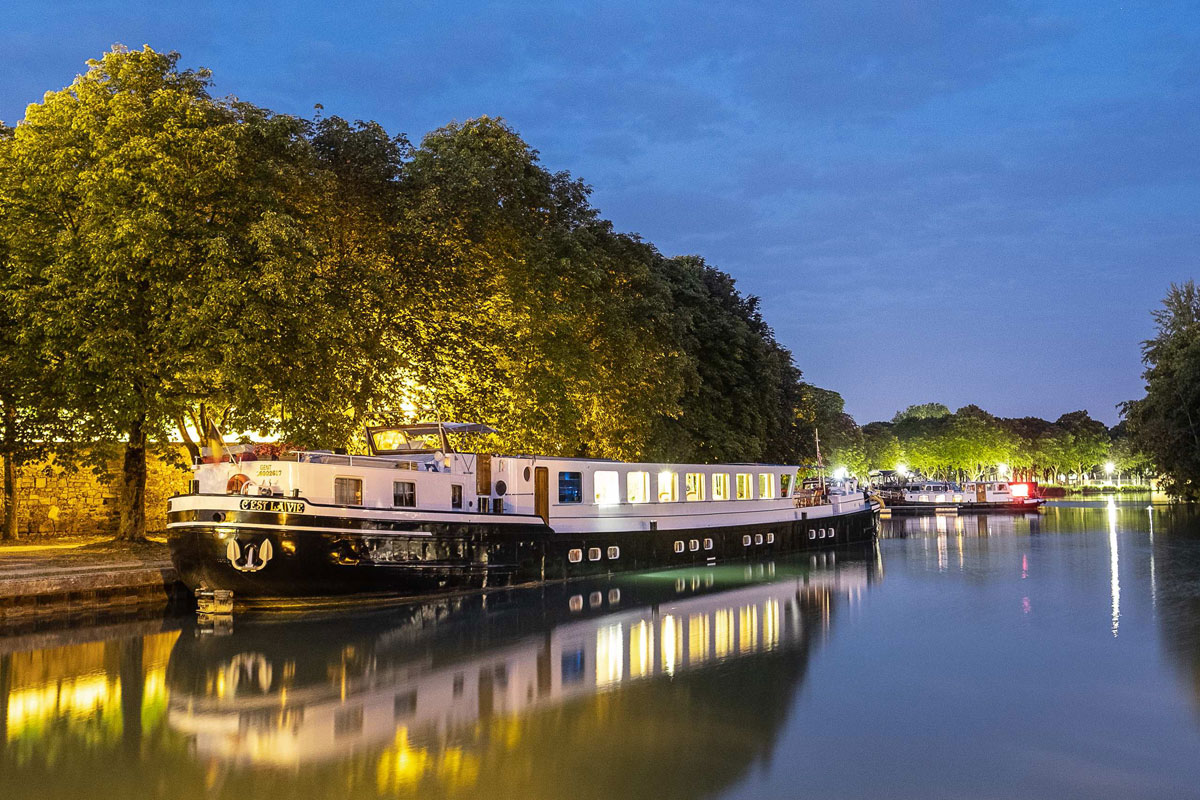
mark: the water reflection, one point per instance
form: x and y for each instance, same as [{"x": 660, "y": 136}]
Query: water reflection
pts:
[{"x": 661, "y": 685}]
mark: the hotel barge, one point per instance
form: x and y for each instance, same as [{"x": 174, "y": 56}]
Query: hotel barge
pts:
[{"x": 417, "y": 517}]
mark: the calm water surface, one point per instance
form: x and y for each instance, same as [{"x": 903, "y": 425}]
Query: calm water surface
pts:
[{"x": 994, "y": 656}]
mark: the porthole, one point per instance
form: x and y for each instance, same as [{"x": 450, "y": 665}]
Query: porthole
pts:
[
  {"x": 746, "y": 540},
  {"x": 770, "y": 538},
  {"x": 576, "y": 602},
  {"x": 595, "y": 599},
  {"x": 708, "y": 544},
  {"x": 575, "y": 555},
  {"x": 821, "y": 534},
  {"x": 812, "y": 534},
  {"x": 527, "y": 473},
  {"x": 614, "y": 552},
  {"x": 593, "y": 554},
  {"x": 614, "y": 596},
  {"x": 218, "y": 516},
  {"x": 831, "y": 533},
  {"x": 678, "y": 547},
  {"x": 758, "y": 538},
  {"x": 694, "y": 545},
  {"x": 501, "y": 488}
]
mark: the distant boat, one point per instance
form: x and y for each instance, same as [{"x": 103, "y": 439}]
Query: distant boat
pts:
[
  {"x": 930, "y": 496},
  {"x": 419, "y": 517}
]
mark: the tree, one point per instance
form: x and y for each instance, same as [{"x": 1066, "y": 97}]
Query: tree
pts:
[
  {"x": 30, "y": 415},
  {"x": 882, "y": 450},
  {"x": 1087, "y": 441},
  {"x": 921, "y": 411},
  {"x": 176, "y": 255},
  {"x": 1166, "y": 422}
]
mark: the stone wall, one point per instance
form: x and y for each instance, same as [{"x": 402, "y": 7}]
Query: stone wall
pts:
[{"x": 53, "y": 500}]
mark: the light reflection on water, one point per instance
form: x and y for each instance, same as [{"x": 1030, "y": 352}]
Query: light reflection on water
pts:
[{"x": 1003, "y": 656}]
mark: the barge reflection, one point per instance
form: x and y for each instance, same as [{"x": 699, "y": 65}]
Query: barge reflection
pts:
[{"x": 659, "y": 685}]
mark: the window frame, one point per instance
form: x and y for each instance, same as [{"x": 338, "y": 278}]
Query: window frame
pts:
[
  {"x": 579, "y": 488},
  {"x": 337, "y": 500},
  {"x": 672, "y": 485},
  {"x": 640, "y": 480},
  {"x": 395, "y": 496},
  {"x": 610, "y": 498},
  {"x": 744, "y": 479},
  {"x": 694, "y": 483},
  {"x": 720, "y": 486}
]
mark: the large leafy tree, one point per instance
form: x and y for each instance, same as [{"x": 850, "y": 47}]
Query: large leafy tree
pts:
[
  {"x": 1166, "y": 422},
  {"x": 534, "y": 314},
  {"x": 174, "y": 253}
]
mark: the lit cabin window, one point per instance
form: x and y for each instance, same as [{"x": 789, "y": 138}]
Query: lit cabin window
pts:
[
  {"x": 694, "y": 485},
  {"x": 404, "y": 493},
  {"x": 785, "y": 485},
  {"x": 638, "y": 485},
  {"x": 766, "y": 485},
  {"x": 721, "y": 486},
  {"x": 708, "y": 544},
  {"x": 347, "y": 491},
  {"x": 608, "y": 487},
  {"x": 570, "y": 487},
  {"x": 668, "y": 486},
  {"x": 745, "y": 486},
  {"x": 456, "y": 495}
]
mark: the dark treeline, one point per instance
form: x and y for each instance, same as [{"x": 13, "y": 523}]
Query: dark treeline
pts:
[
  {"x": 179, "y": 265},
  {"x": 971, "y": 443}
]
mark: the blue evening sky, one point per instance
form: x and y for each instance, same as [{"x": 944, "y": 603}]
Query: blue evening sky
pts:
[{"x": 953, "y": 201}]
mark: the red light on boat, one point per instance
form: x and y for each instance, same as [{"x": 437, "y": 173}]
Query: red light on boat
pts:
[{"x": 1019, "y": 489}]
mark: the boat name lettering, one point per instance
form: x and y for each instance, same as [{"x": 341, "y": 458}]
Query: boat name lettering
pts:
[{"x": 279, "y": 506}]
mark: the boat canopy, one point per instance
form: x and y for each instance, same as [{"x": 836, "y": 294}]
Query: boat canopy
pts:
[{"x": 419, "y": 437}]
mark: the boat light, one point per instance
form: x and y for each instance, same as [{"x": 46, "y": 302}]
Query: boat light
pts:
[
  {"x": 839, "y": 474},
  {"x": 1019, "y": 489}
]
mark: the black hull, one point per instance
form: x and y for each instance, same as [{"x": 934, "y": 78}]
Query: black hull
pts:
[{"x": 305, "y": 566}]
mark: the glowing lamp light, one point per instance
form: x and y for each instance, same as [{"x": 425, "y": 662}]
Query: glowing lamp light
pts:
[
  {"x": 1019, "y": 489},
  {"x": 839, "y": 474},
  {"x": 902, "y": 469},
  {"x": 1002, "y": 468},
  {"x": 1109, "y": 467}
]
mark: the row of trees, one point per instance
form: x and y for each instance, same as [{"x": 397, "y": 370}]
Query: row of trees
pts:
[
  {"x": 971, "y": 443},
  {"x": 182, "y": 266}
]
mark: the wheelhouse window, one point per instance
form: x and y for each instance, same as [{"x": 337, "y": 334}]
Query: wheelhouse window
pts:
[
  {"x": 720, "y": 486},
  {"x": 347, "y": 491},
  {"x": 766, "y": 485},
  {"x": 404, "y": 494},
  {"x": 745, "y": 486},
  {"x": 785, "y": 485},
  {"x": 694, "y": 486},
  {"x": 668, "y": 486},
  {"x": 608, "y": 487},
  {"x": 638, "y": 487},
  {"x": 455, "y": 495},
  {"x": 570, "y": 487}
]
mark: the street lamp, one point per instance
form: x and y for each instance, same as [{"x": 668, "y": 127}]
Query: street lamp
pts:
[
  {"x": 902, "y": 469},
  {"x": 839, "y": 474}
]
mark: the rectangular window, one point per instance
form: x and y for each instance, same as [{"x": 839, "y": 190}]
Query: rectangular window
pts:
[
  {"x": 766, "y": 485},
  {"x": 455, "y": 495},
  {"x": 570, "y": 487},
  {"x": 608, "y": 487},
  {"x": 745, "y": 486},
  {"x": 638, "y": 486},
  {"x": 694, "y": 485},
  {"x": 404, "y": 494},
  {"x": 721, "y": 486},
  {"x": 668, "y": 487},
  {"x": 347, "y": 491},
  {"x": 785, "y": 485}
]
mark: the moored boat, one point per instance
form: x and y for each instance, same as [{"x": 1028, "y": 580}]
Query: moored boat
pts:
[
  {"x": 417, "y": 516},
  {"x": 928, "y": 496}
]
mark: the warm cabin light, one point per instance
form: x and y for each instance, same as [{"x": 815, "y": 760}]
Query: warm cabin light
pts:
[
  {"x": 840, "y": 474},
  {"x": 668, "y": 486},
  {"x": 638, "y": 487},
  {"x": 902, "y": 469},
  {"x": 608, "y": 487},
  {"x": 1019, "y": 489}
]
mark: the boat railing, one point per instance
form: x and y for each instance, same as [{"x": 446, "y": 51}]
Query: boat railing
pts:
[{"x": 375, "y": 462}]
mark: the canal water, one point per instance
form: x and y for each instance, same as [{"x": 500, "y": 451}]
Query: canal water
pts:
[{"x": 1053, "y": 655}]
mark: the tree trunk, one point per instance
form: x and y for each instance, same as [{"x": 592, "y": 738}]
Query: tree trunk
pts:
[
  {"x": 9, "y": 531},
  {"x": 132, "y": 526},
  {"x": 10, "y": 500}
]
